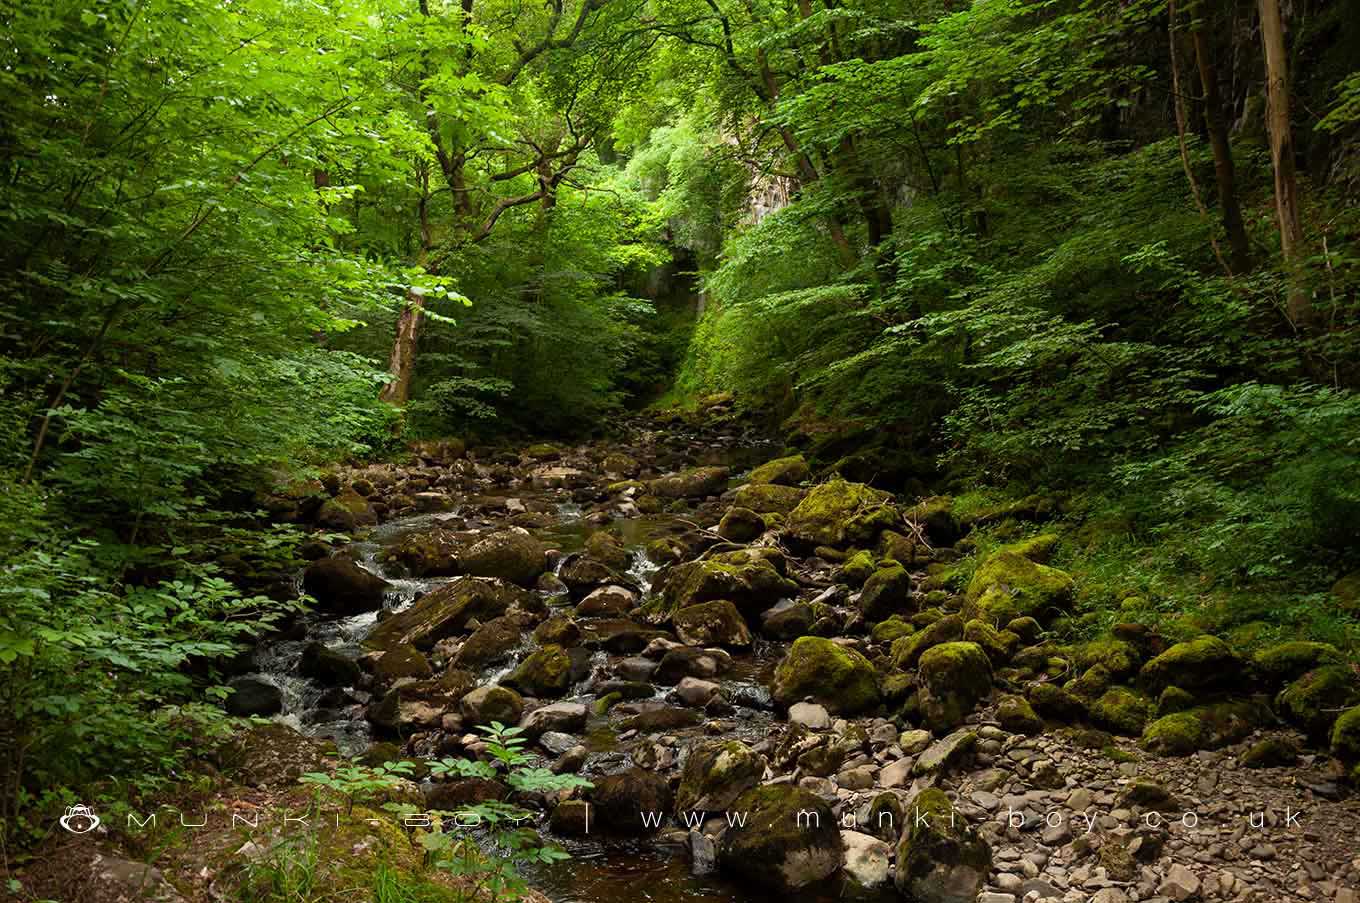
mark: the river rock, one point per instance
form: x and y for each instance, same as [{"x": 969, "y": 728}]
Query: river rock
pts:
[
  {"x": 790, "y": 839},
  {"x": 866, "y": 861},
  {"x": 545, "y": 672},
  {"x": 558, "y": 717},
  {"x": 788, "y": 471},
  {"x": 1008, "y": 585},
  {"x": 341, "y": 587},
  {"x": 328, "y": 666},
  {"x": 695, "y": 483},
  {"x": 716, "y": 623},
  {"x": 887, "y": 592},
  {"x": 512, "y": 555},
  {"x": 838, "y": 677},
  {"x": 631, "y": 802},
  {"x": 840, "y": 513},
  {"x": 954, "y": 677},
  {"x": 447, "y": 611},
  {"x": 751, "y": 584},
  {"x": 253, "y": 696},
  {"x": 491, "y": 703},
  {"x": 741, "y": 524},
  {"x": 716, "y": 772},
  {"x": 608, "y": 602},
  {"x": 769, "y": 499},
  {"x": 940, "y": 858}
]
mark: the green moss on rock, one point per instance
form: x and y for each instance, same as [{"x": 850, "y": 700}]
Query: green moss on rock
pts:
[
  {"x": 887, "y": 592},
  {"x": 940, "y": 858},
  {"x": 839, "y": 678},
  {"x": 545, "y": 672},
  {"x": 1287, "y": 661},
  {"x": 954, "y": 678},
  {"x": 840, "y": 513},
  {"x": 1312, "y": 701},
  {"x": 907, "y": 651},
  {"x": 788, "y": 471},
  {"x": 769, "y": 499},
  {"x": 1197, "y": 664},
  {"x": 1008, "y": 585},
  {"x": 1121, "y": 710}
]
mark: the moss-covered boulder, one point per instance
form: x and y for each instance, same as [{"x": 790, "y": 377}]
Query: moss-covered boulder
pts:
[
  {"x": 1312, "y": 701},
  {"x": 1008, "y": 585},
  {"x": 1015, "y": 714},
  {"x": 752, "y": 585},
  {"x": 512, "y": 555},
  {"x": 690, "y": 484},
  {"x": 790, "y": 839},
  {"x": 940, "y": 858},
  {"x": 741, "y": 524},
  {"x": 1272, "y": 752},
  {"x": 1202, "y": 663},
  {"x": 447, "y": 611},
  {"x": 999, "y": 645},
  {"x": 491, "y": 703},
  {"x": 1052, "y": 701},
  {"x": 905, "y": 550},
  {"x": 346, "y": 511},
  {"x": 716, "y": 772},
  {"x": 788, "y": 471},
  {"x": 545, "y": 672},
  {"x": 788, "y": 622},
  {"x": 1345, "y": 739},
  {"x": 491, "y": 642},
  {"x": 840, "y": 514},
  {"x": 1122, "y": 710},
  {"x": 954, "y": 678},
  {"x": 891, "y": 629},
  {"x": 1285, "y": 662},
  {"x": 838, "y": 677},
  {"x": 887, "y": 592},
  {"x": 857, "y": 569},
  {"x": 341, "y": 587},
  {"x": 401, "y": 660},
  {"x": 1119, "y": 658},
  {"x": 907, "y": 651},
  {"x": 769, "y": 499},
  {"x": 716, "y": 623}
]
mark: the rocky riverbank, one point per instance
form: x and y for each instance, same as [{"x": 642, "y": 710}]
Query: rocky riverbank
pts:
[{"x": 804, "y": 684}]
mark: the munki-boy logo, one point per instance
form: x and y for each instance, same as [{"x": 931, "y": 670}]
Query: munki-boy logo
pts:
[{"x": 79, "y": 819}]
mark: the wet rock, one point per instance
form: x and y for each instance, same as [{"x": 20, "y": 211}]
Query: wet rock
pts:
[
  {"x": 558, "y": 630},
  {"x": 582, "y": 574},
  {"x": 703, "y": 853},
  {"x": 403, "y": 660},
  {"x": 695, "y": 692},
  {"x": 636, "y": 669},
  {"x": 609, "y": 549},
  {"x": 607, "y": 602},
  {"x": 433, "y": 553},
  {"x": 940, "y": 859},
  {"x": 545, "y": 672},
  {"x": 788, "y": 471},
  {"x": 954, "y": 678},
  {"x": 810, "y": 715},
  {"x": 328, "y": 666},
  {"x": 447, "y": 611},
  {"x": 345, "y": 512},
  {"x": 665, "y": 718},
  {"x": 716, "y": 623},
  {"x": 342, "y": 587},
  {"x": 571, "y": 761},
  {"x": 420, "y": 705},
  {"x": 696, "y": 483},
  {"x": 630, "y": 802},
  {"x": 687, "y": 661},
  {"x": 838, "y": 677},
  {"x": 716, "y": 772},
  {"x": 511, "y": 555},
  {"x": 492, "y": 642},
  {"x": 559, "y": 717},
  {"x": 620, "y": 635},
  {"x": 491, "y": 703},
  {"x": 570, "y": 818},
  {"x": 790, "y": 839},
  {"x": 253, "y": 696},
  {"x": 839, "y": 513}
]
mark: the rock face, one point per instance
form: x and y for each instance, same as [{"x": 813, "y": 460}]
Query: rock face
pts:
[
  {"x": 511, "y": 555},
  {"x": 954, "y": 678},
  {"x": 939, "y": 858},
  {"x": 341, "y": 587},
  {"x": 716, "y": 623},
  {"x": 447, "y": 611},
  {"x": 839, "y": 678},
  {"x": 790, "y": 839},
  {"x": 696, "y": 483},
  {"x": 840, "y": 513},
  {"x": 715, "y": 774}
]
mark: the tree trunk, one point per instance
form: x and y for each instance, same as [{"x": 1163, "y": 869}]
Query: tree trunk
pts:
[
  {"x": 402, "y": 363},
  {"x": 1229, "y": 207},
  {"x": 1300, "y": 308}
]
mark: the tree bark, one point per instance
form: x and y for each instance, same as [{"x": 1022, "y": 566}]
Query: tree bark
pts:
[
  {"x": 402, "y": 363},
  {"x": 1224, "y": 173},
  {"x": 1299, "y": 306}
]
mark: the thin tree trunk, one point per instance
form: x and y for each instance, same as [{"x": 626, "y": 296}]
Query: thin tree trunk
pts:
[
  {"x": 1231, "y": 210},
  {"x": 402, "y": 363},
  {"x": 1300, "y": 307}
]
